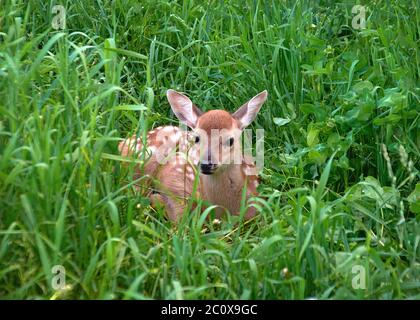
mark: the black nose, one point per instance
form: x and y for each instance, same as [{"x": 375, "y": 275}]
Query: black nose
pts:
[{"x": 207, "y": 168}]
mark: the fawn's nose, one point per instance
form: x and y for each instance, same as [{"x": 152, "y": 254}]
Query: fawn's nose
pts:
[{"x": 207, "y": 168}]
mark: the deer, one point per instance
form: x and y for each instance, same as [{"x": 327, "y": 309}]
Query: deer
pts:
[{"x": 211, "y": 152}]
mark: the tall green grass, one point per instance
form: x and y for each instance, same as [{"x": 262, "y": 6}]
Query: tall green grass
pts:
[{"x": 341, "y": 179}]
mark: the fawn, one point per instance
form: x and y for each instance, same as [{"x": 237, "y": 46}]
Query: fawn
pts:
[{"x": 213, "y": 148}]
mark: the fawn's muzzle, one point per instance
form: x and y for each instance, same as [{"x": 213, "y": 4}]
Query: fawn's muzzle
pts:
[{"x": 208, "y": 168}]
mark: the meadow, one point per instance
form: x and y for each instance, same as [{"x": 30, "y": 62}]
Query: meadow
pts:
[{"x": 339, "y": 216}]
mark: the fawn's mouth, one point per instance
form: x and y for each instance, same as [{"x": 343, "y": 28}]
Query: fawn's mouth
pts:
[{"x": 208, "y": 169}]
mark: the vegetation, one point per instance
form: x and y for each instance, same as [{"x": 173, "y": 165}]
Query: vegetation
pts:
[{"x": 342, "y": 148}]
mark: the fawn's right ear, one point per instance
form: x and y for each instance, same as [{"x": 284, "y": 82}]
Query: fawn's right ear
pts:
[
  {"x": 247, "y": 113},
  {"x": 183, "y": 108}
]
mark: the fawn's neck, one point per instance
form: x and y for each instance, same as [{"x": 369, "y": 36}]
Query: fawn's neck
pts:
[{"x": 224, "y": 188}]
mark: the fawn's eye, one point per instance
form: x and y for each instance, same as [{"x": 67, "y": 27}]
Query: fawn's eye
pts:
[
  {"x": 197, "y": 139},
  {"x": 231, "y": 141}
]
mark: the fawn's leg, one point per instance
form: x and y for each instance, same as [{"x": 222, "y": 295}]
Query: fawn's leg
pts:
[
  {"x": 175, "y": 183},
  {"x": 173, "y": 208}
]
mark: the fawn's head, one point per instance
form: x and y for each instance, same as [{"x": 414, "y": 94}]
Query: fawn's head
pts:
[{"x": 217, "y": 131}]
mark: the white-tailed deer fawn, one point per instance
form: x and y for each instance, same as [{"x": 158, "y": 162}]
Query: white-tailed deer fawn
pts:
[{"x": 213, "y": 148}]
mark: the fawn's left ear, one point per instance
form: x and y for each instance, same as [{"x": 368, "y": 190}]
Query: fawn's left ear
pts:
[
  {"x": 183, "y": 108},
  {"x": 247, "y": 113}
]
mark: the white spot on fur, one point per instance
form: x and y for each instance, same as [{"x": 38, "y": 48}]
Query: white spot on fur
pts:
[
  {"x": 175, "y": 137},
  {"x": 169, "y": 129}
]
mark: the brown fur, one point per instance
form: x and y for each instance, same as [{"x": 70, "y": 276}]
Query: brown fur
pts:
[
  {"x": 215, "y": 119},
  {"x": 173, "y": 180}
]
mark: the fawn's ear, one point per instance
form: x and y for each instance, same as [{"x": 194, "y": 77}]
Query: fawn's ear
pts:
[
  {"x": 247, "y": 113},
  {"x": 183, "y": 108}
]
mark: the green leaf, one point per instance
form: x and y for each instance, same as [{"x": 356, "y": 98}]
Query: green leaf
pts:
[
  {"x": 142, "y": 227},
  {"x": 391, "y": 98},
  {"x": 281, "y": 121},
  {"x": 317, "y": 157},
  {"x": 351, "y": 73},
  {"x": 127, "y": 53},
  {"x": 324, "y": 178},
  {"x": 389, "y": 119},
  {"x": 312, "y": 137},
  {"x": 306, "y": 241},
  {"x": 114, "y": 157},
  {"x": 414, "y": 199},
  {"x": 317, "y": 110},
  {"x": 114, "y": 215},
  {"x": 131, "y": 107},
  {"x": 362, "y": 86}
]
